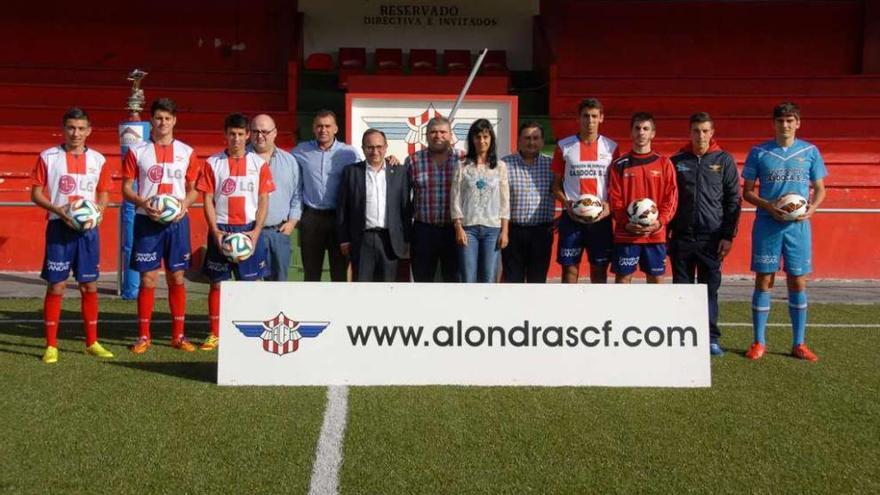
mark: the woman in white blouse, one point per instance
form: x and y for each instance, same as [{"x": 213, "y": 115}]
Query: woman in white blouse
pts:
[{"x": 480, "y": 204}]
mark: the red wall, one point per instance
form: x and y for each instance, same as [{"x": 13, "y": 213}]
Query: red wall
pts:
[
  {"x": 835, "y": 254},
  {"x": 22, "y": 240}
]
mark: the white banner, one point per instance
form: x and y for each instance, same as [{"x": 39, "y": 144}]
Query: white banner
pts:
[
  {"x": 297, "y": 333},
  {"x": 454, "y": 24},
  {"x": 404, "y": 117}
]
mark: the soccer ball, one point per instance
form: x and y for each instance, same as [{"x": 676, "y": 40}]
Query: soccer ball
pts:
[
  {"x": 84, "y": 213},
  {"x": 587, "y": 207},
  {"x": 167, "y": 205},
  {"x": 794, "y": 206},
  {"x": 237, "y": 247},
  {"x": 642, "y": 212}
]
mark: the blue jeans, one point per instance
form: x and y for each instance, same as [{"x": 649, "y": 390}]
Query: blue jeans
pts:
[
  {"x": 478, "y": 261},
  {"x": 278, "y": 247}
]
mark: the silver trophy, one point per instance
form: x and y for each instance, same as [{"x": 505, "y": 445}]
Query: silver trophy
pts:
[{"x": 136, "y": 100}]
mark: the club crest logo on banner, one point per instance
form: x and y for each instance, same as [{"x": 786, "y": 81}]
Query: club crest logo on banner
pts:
[
  {"x": 281, "y": 335},
  {"x": 404, "y": 119}
]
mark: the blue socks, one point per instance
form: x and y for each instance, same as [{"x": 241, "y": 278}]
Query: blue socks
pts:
[
  {"x": 760, "y": 314},
  {"x": 797, "y": 310}
]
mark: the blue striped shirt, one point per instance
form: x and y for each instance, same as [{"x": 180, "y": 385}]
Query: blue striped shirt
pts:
[
  {"x": 322, "y": 171},
  {"x": 285, "y": 202},
  {"x": 531, "y": 200}
]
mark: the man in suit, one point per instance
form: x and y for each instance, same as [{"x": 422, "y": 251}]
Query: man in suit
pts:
[{"x": 374, "y": 213}]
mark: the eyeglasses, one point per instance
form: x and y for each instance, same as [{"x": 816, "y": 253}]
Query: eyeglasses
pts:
[{"x": 263, "y": 133}]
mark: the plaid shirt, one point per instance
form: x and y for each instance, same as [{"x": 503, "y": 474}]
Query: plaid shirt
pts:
[
  {"x": 531, "y": 201},
  {"x": 431, "y": 185}
]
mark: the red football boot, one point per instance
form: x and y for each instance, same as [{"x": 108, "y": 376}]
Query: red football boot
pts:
[
  {"x": 801, "y": 351},
  {"x": 756, "y": 351}
]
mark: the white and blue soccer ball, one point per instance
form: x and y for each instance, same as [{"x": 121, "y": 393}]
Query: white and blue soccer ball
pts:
[
  {"x": 587, "y": 207},
  {"x": 237, "y": 247},
  {"x": 642, "y": 212},
  {"x": 168, "y": 207},
  {"x": 793, "y": 205},
  {"x": 84, "y": 213}
]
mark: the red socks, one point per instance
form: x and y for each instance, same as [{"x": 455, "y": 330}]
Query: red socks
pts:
[
  {"x": 51, "y": 315},
  {"x": 90, "y": 316},
  {"x": 145, "y": 310},
  {"x": 214, "y": 310},
  {"x": 177, "y": 303}
]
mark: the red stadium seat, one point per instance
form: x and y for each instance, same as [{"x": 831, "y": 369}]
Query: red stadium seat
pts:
[
  {"x": 495, "y": 61},
  {"x": 353, "y": 59},
  {"x": 389, "y": 60},
  {"x": 457, "y": 61},
  {"x": 423, "y": 61},
  {"x": 319, "y": 61}
]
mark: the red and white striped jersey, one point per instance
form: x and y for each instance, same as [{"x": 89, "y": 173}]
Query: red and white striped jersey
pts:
[
  {"x": 236, "y": 184},
  {"x": 584, "y": 166},
  {"x": 67, "y": 177},
  {"x": 161, "y": 169}
]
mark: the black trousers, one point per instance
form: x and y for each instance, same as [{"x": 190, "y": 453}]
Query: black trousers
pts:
[
  {"x": 527, "y": 255},
  {"x": 432, "y": 245},
  {"x": 690, "y": 256},
  {"x": 374, "y": 260},
  {"x": 317, "y": 235}
]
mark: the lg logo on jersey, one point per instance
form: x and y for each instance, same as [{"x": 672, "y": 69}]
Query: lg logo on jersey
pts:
[
  {"x": 68, "y": 184},
  {"x": 157, "y": 171},
  {"x": 229, "y": 186}
]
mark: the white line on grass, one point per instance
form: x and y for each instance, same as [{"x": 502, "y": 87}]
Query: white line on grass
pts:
[
  {"x": 328, "y": 456},
  {"x": 726, "y": 324}
]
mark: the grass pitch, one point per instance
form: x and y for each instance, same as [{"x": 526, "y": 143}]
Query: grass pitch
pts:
[{"x": 156, "y": 423}]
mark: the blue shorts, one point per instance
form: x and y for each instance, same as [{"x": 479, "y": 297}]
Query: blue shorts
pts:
[
  {"x": 155, "y": 243},
  {"x": 574, "y": 237},
  {"x": 218, "y": 267},
  {"x": 66, "y": 250},
  {"x": 650, "y": 258},
  {"x": 772, "y": 240}
]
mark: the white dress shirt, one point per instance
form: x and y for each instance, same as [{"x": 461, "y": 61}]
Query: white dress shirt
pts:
[{"x": 375, "y": 187}]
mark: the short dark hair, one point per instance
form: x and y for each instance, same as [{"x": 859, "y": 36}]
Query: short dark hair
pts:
[
  {"x": 642, "y": 117},
  {"x": 438, "y": 120},
  {"x": 320, "y": 114},
  {"x": 235, "y": 121},
  {"x": 373, "y": 131},
  {"x": 75, "y": 113},
  {"x": 701, "y": 118},
  {"x": 787, "y": 109},
  {"x": 591, "y": 103},
  {"x": 477, "y": 127},
  {"x": 531, "y": 124},
  {"x": 165, "y": 105}
]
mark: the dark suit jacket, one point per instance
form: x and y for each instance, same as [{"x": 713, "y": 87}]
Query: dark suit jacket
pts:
[{"x": 351, "y": 217}]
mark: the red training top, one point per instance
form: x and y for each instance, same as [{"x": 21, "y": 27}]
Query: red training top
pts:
[{"x": 634, "y": 176}]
